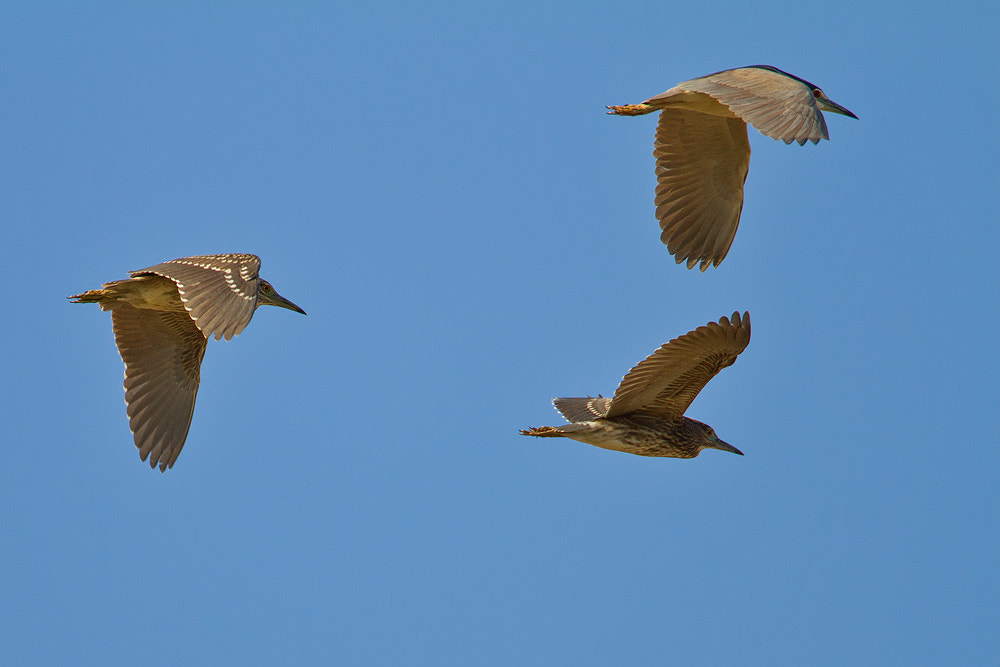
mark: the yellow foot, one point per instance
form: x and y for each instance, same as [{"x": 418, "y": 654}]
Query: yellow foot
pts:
[
  {"x": 630, "y": 110},
  {"x": 542, "y": 432},
  {"x": 91, "y": 296}
]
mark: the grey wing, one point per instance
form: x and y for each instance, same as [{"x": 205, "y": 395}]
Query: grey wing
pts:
[
  {"x": 779, "y": 106},
  {"x": 582, "y": 409},
  {"x": 220, "y": 291},
  {"x": 667, "y": 381},
  {"x": 162, "y": 352},
  {"x": 701, "y": 165}
]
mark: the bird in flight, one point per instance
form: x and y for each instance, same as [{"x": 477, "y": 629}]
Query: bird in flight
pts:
[
  {"x": 162, "y": 317},
  {"x": 646, "y": 414},
  {"x": 702, "y": 151}
]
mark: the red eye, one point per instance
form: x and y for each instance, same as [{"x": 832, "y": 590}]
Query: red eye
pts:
[{"x": 817, "y": 92}]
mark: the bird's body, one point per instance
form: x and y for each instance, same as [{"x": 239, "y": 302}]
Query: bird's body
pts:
[
  {"x": 162, "y": 317},
  {"x": 703, "y": 153},
  {"x": 646, "y": 414},
  {"x": 639, "y": 434}
]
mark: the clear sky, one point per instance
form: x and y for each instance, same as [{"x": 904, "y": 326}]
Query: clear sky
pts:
[{"x": 438, "y": 185}]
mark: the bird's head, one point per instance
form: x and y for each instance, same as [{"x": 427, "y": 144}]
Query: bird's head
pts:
[
  {"x": 826, "y": 104},
  {"x": 707, "y": 439},
  {"x": 267, "y": 296}
]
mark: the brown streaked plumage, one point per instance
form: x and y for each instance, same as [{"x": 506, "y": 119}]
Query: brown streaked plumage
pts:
[
  {"x": 162, "y": 317},
  {"x": 702, "y": 151},
  {"x": 646, "y": 414}
]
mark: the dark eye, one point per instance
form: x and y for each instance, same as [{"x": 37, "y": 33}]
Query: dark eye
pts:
[
  {"x": 265, "y": 288},
  {"x": 817, "y": 92}
]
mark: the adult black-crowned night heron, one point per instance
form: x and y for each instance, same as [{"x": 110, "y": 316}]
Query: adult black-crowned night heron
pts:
[
  {"x": 646, "y": 414},
  {"x": 702, "y": 151},
  {"x": 162, "y": 317}
]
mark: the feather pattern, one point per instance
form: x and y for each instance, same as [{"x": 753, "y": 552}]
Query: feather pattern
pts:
[
  {"x": 582, "y": 409},
  {"x": 162, "y": 352},
  {"x": 667, "y": 381},
  {"x": 220, "y": 291},
  {"x": 777, "y": 105},
  {"x": 701, "y": 165}
]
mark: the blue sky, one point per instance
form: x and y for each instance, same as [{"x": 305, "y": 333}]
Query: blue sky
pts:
[{"x": 439, "y": 187}]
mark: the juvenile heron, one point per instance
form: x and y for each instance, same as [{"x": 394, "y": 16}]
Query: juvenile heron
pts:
[
  {"x": 646, "y": 414},
  {"x": 702, "y": 151},
  {"x": 162, "y": 318}
]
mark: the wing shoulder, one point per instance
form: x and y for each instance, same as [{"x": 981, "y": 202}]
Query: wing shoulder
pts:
[
  {"x": 779, "y": 105},
  {"x": 220, "y": 291}
]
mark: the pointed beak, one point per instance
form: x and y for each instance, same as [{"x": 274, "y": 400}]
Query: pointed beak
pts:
[
  {"x": 826, "y": 104},
  {"x": 275, "y": 299},
  {"x": 726, "y": 447}
]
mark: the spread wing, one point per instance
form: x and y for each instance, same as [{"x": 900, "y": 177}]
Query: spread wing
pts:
[
  {"x": 701, "y": 165},
  {"x": 162, "y": 352},
  {"x": 667, "y": 381},
  {"x": 582, "y": 409},
  {"x": 779, "y": 105},
  {"x": 220, "y": 291}
]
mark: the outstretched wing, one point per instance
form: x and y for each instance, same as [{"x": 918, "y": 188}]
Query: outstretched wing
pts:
[
  {"x": 220, "y": 291},
  {"x": 667, "y": 381},
  {"x": 701, "y": 165},
  {"x": 779, "y": 105},
  {"x": 162, "y": 352}
]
